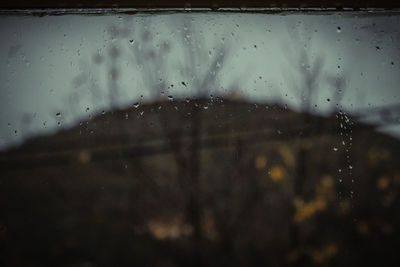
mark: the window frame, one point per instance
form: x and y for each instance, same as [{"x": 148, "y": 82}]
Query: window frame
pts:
[{"x": 206, "y": 5}]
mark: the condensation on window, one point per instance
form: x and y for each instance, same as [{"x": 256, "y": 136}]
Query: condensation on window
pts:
[{"x": 200, "y": 139}]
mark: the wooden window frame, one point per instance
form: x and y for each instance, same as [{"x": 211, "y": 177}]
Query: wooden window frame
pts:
[{"x": 131, "y": 6}]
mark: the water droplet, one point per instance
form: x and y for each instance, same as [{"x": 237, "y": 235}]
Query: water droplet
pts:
[
  {"x": 335, "y": 149},
  {"x": 170, "y": 97},
  {"x": 58, "y": 114},
  {"x": 136, "y": 105},
  {"x": 338, "y": 29}
]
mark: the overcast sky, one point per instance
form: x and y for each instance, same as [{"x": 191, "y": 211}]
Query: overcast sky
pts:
[{"x": 69, "y": 64}]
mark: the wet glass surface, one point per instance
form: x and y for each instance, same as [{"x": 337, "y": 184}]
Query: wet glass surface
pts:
[{"x": 207, "y": 139}]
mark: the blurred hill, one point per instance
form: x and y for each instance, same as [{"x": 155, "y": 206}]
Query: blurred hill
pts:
[{"x": 217, "y": 182}]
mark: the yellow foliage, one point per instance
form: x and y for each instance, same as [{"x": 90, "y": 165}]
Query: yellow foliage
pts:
[
  {"x": 362, "y": 227},
  {"x": 324, "y": 191},
  {"x": 171, "y": 229},
  {"x": 320, "y": 204},
  {"x": 321, "y": 256},
  {"x": 331, "y": 250},
  {"x": 276, "y": 173},
  {"x": 287, "y": 155},
  {"x": 209, "y": 226},
  {"x": 382, "y": 183},
  {"x": 306, "y": 210},
  {"x": 344, "y": 207},
  {"x": 260, "y": 162},
  {"x": 376, "y": 155},
  {"x": 318, "y": 255},
  {"x": 292, "y": 256},
  {"x": 84, "y": 156},
  {"x": 327, "y": 181},
  {"x": 305, "y": 143},
  {"x": 298, "y": 202},
  {"x": 325, "y": 187}
]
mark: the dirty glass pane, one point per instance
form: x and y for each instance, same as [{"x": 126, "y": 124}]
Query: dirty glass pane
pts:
[{"x": 200, "y": 139}]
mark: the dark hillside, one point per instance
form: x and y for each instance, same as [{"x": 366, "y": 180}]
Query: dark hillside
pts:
[{"x": 205, "y": 183}]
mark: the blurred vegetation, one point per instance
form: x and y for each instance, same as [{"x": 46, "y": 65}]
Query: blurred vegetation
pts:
[
  {"x": 119, "y": 190},
  {"x": 207, "y": 181}
]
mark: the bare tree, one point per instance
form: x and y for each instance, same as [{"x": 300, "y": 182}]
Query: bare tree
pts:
[{"x": 200, "y": 68}]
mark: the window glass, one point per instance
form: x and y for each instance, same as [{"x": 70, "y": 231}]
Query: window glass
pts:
[{"x": 207, "y": 139}]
